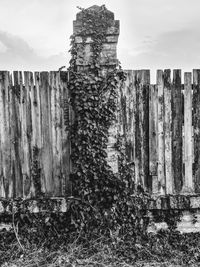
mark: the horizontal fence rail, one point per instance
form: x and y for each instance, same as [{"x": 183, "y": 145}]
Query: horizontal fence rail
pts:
[
  {"x": 34, "y": 145},
  {"x": 160, "y": 125}
]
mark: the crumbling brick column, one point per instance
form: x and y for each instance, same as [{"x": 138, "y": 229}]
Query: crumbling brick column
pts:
[{"x": 108, "y": 61}]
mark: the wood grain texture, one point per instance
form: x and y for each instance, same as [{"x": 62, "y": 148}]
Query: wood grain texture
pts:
[
  {"x": 196, "y": 125},
  {"x": 27, "y": 129},
  {"x": 153, "y": 129},
  {"x": 66, "y": 123},
  {"x": 46, "y": 120},
  {"x": 177, "y": 119},
  {"x": 138, "y": 131},
  {"x": 6, "y": 178},
  {"x": 169, "y": 180},
  {"x": 129, "y": 94},
  {"x": 16, "y": 135},
  {"x": 142, "y": 96},
  {"x": 128, "y": 104},
  {"x": 161, "y": 142},
  {"x": 56, "y": 123},
  {"x": 188, "y": 181}
]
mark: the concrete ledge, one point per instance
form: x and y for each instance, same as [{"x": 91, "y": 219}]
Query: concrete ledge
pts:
[
  {"x": 51, "y": 204},
  {"x": 167, "y": 202},
  {"x": 61, "y": 204}
]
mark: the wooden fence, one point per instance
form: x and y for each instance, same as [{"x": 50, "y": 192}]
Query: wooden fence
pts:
[
  {"x": 162, "y": 130},
  {"x": 34, "y": 146},
  {"x": 160, "y": 124}
]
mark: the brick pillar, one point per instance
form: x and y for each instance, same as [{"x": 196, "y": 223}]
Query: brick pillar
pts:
[
  {"x": 108, "y": 61},
  {"x": 108, "y": 58}
]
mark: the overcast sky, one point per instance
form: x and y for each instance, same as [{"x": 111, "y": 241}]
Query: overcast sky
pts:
[{"x": 154, "y": 34}]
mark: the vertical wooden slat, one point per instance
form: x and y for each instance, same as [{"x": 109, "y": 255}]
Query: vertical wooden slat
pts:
[
  {"x": 146, "y": 85},
  {"x": 52, "y": 83},
  {"x": 47, "y": 158},
  {"x": 196, "y": 125},
  {"x": 6, "y": 181},
  {"x": 33, "y": 135},
  {"x": 128, "y": 98},
  {"x": 129, "y": 92},
  {"x": 177, "y": 130},
  {"x": 12, "y": 178},
  {"x": 59, "y": 135},
  {"x": 66, "y": 123},
  {"x": 161, "y": 143},
  {"x": 167, "y": 132},
  {"x": 16, "y": 135},
  {"x": 56, "y": 130},
  {"x": 153, "y": 136},
  {"x": 27, "y": 127},
  {"x": 36, "y": 104},
  {"x": 142, "y": 127},
  {"x": 138, "y": 131},
  {"x": 37, "y": 133},
  {"x": 188, "y": 181}
]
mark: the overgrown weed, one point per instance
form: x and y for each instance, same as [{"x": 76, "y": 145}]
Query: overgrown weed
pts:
[{"x": 166, "y": 248}]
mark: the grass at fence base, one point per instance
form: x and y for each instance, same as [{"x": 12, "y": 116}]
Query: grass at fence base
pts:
[{"x": 166, "y": 248}]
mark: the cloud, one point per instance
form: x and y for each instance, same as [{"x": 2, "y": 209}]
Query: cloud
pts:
[
  {"x": 170, "y": 49},
  {"x": 16, "y": 53}
]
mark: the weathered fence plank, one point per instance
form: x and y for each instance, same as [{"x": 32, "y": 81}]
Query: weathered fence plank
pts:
[
  {"x": 128, "y": 106},
  {"x": 66, "y": 121},
  {"x": 153, "y": 129},
  {"x": 28, "y": 129},
  {"x": 47, "y": 156},
  {"x": 129, "y": 92},
  {"x": 16, "y": 135},
  {"x": 177, "y": 130},
  {"x": 38, "y": 174},
  {"x": 169, "y": 180},
  {"x": 142, "y": 122},
  {"x": 6, "y": 179},
  {"x": 161, "y": 143},
  {"x": 153, "y": 136},
  {"x": 196, "y": 125},
  {"x": 56, "y": 130},
  {"x": 138, "y": 134},
  {"x": 188, "y": 180}
]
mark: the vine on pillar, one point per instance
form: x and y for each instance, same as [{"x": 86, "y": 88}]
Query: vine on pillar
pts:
[{"x": 102, "y": 198}]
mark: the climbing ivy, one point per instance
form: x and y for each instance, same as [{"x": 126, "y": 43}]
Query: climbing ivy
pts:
[
  {"x": 101, "y": 198},
  {"x": 93, "y": 99}
]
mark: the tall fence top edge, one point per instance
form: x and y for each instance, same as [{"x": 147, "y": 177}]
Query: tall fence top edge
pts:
[
  {"x": 36, "y": 71},
  {"x": 126, "y": 70}
]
